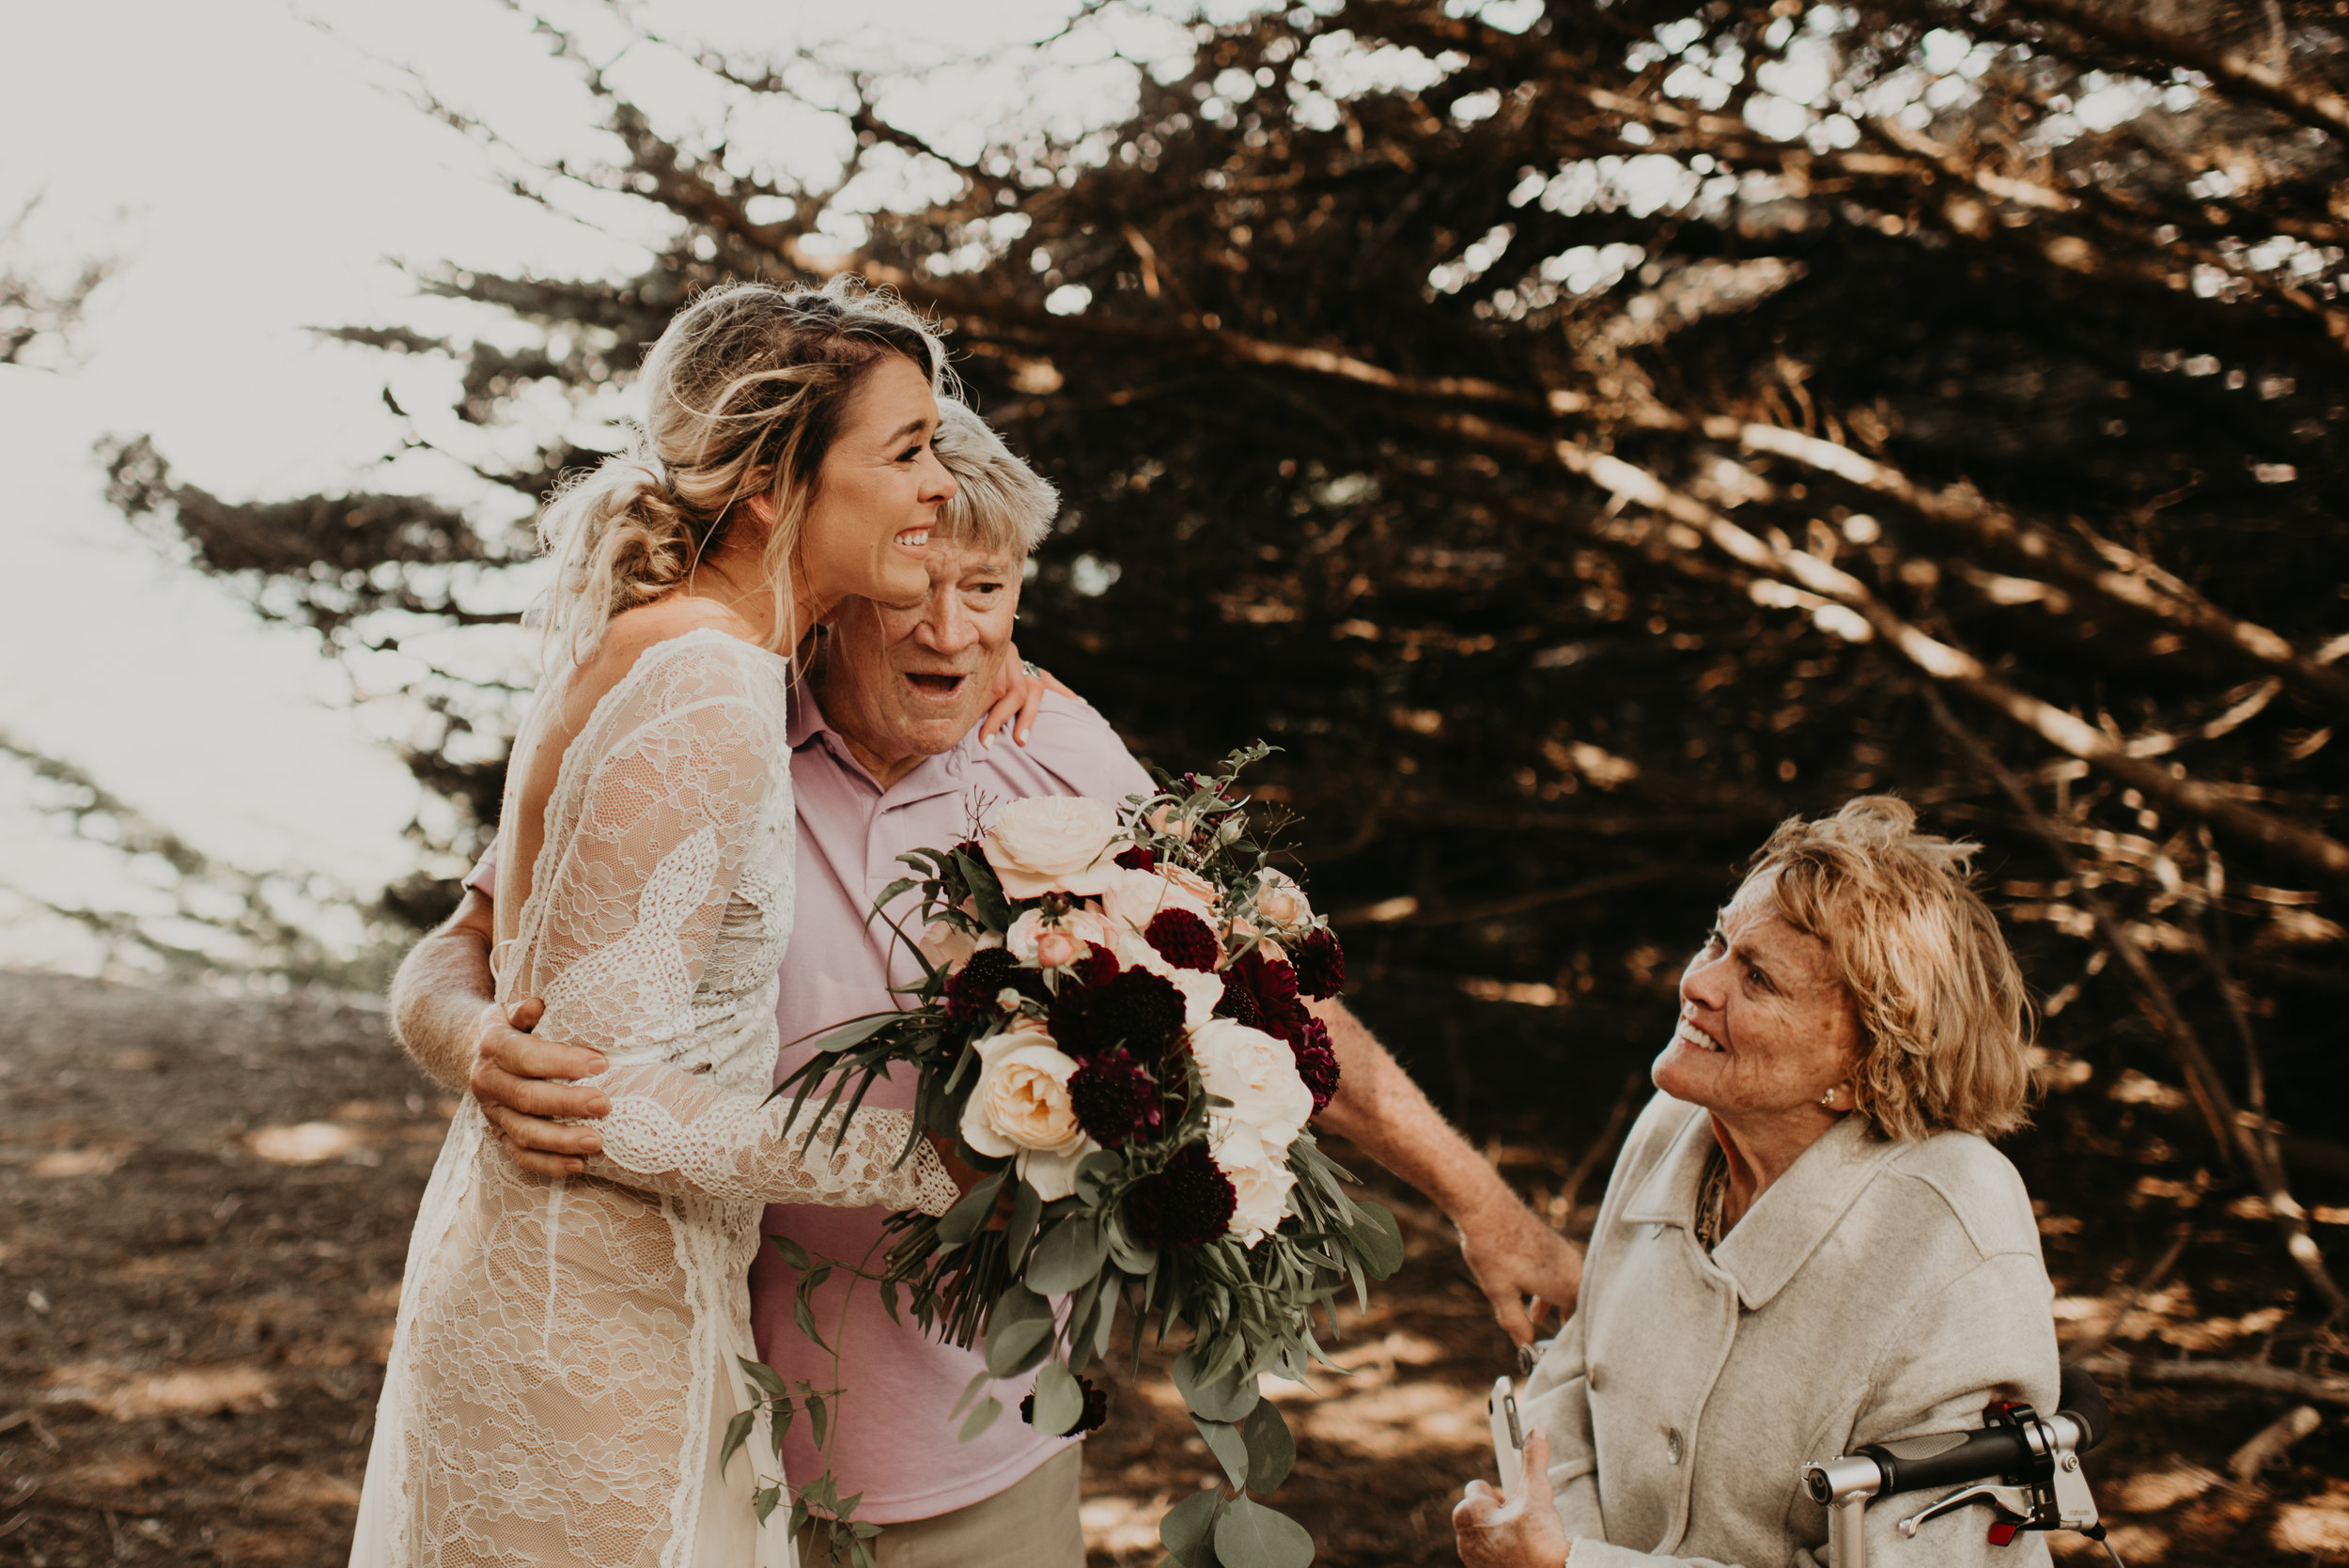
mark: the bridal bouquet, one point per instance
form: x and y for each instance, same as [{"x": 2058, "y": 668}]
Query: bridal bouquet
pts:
[{"x": 1112, "y": 1022}]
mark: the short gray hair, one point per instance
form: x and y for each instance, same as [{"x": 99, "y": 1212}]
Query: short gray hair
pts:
[{"x": 1002, "y": 505}]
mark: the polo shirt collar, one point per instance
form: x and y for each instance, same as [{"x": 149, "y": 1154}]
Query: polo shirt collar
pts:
[{"x": 1787, "y": 1223}]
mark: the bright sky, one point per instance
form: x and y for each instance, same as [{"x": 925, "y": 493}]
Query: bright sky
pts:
[{"x": 252, "y": 163}]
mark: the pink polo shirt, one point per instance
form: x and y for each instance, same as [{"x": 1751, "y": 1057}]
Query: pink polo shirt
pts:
[{"x": 893, "y": 1439}]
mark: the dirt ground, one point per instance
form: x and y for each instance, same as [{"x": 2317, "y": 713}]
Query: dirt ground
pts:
[{"x": 205, "y": 1202}]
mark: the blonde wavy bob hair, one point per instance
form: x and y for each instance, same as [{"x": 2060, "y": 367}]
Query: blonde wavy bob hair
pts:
[
  {"x": 744, "y": 392},
  {"x": 1944, "y": 1018},
  {"x": 1000, "y": 506}
]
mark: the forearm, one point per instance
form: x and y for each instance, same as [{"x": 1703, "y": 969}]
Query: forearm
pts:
[
  {"x": 436, "y": 1002},
  {"x": 1379, "y": 1109},
  {"x": 672, "y": 1132}
]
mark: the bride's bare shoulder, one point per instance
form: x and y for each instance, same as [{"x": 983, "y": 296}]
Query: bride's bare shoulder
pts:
[{"x": 635, "y": 633}]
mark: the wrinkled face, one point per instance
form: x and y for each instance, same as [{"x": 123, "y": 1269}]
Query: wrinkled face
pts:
[
  {"x": 907, "y": 682},
  {"x": 877, "y": 494},
  {"x": 1766, "y": 1025}
]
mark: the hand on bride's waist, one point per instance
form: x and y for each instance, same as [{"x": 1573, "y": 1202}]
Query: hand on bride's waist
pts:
[{"x": 523, "y": 1083}]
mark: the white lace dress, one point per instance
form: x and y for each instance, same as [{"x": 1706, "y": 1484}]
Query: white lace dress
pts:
[{"x": 563, "y": 1371}]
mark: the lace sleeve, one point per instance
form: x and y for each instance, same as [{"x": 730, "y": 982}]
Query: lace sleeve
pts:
[
  {"x": 671, "y": 1132},
  {"x": 690, "y": 792}
]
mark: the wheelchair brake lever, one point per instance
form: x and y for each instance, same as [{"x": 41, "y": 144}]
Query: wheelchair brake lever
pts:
[{"x": 2014, "y": 1502}]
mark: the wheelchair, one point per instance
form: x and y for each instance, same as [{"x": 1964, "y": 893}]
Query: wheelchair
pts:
[{"x": 2024, "y": 1465}]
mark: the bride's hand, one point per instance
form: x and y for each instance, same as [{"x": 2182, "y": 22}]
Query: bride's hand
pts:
[{"x": 1019, "y": 688}]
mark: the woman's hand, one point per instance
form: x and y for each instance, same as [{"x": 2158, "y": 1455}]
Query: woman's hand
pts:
[
  {"x": 1019, "y": 688},
  {"x": 1524, "y": 1531}
]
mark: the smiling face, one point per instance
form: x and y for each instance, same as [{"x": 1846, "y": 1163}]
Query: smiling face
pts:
[
  {"x": 877, "y": 496},
  {"x": 901, "y": 683},
  {"x": 1766, "y": 1025}
]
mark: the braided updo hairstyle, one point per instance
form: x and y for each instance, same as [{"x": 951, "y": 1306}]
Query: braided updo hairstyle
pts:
[{"x": 744, "y": 394}]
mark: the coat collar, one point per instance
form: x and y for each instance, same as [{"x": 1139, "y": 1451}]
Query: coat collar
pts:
[{"x": 1789, "y": 1222}]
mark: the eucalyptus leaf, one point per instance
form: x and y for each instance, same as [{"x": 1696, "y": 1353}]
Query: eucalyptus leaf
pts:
[
  {"x": 793, "y": 1253},
  {"x": 971, "y": 1212},
  {"x": 970, "y": 1391},
  {"x": 1013, "y": 1348},
  {"x": 1027, "y": 1207},
  {"x": 817, "y": 1417},
  {"x": 1129, "y": 1254},
  {"x": 982, "y": 1416},
  {"x": 1069, "y": 1256},
  {"x": 764, "y": 1502},
  {"x": 1060, "y": 1402},
  {"x": 1250, "y": 1535},
  {"x": 1093, "y": 1172},
  {"x": 1271, "y": 1449},
  {"x": 1230, "y": 1449},
  {"x": 1190, "y": 1526},
  {"x": 1228, "y": 1398}
]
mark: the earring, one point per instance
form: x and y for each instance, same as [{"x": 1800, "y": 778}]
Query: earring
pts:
[{"x": 1828, "y": 1099}]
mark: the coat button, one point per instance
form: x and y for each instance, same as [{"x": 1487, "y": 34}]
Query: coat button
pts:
[
  {"x": 1671, "y": 1445},
  {"x": 1592, "y": 1379}
]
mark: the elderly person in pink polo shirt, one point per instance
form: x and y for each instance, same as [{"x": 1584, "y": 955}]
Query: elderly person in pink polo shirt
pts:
[{"x": 888, "y": 753}]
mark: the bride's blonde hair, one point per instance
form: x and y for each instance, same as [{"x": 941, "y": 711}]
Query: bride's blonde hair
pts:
[{"x": 744, "y": 394}]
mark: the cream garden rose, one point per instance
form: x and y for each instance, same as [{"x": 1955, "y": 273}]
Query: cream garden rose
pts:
[
  {"x": 1053, "y": 844},
  {"x": 1260, "y": 1177},
  {"x": 1258, "y": 1075},
  {"x": 1019, "y": 1107}
]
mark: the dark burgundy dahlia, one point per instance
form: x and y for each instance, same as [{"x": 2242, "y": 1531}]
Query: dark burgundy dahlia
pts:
[
  {"x": 1096, "y": 1409},
  {"x": 1139, "y": 858},
  {"x": 1113, "y": 1098},
  {"x": 1135, "y": 1009},
  {"x": 1261, "y": 992},
  {"x": 1183, "y": 940},
  {"x": 1320, "y": 965},
  {"x": 1316, "y": 1061},
  {"x": 972, "y": 990},
  {"x": 1189, "y": 1204}
]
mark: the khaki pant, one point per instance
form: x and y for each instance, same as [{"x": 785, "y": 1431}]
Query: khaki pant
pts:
[{"x": 1030, "y": 1524}]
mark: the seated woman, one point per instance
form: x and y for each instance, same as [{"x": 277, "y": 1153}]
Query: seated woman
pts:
[{"x": 1807, "y": 1244}]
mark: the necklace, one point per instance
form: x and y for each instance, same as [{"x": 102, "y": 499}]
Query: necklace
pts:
[{"x": 1712, "y": 1197}]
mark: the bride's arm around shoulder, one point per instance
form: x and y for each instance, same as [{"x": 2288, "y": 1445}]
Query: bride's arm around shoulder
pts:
[{"x": 683, "y": 810}]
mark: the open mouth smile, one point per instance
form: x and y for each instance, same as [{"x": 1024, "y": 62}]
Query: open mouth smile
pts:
[
  {"x": 913, "y": 538},
  {"x": 1688, "y": 1034},
  {"x": 935, "y": 683}
]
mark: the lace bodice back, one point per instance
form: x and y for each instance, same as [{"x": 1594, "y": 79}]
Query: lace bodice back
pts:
[
  {"x": 565, "y": 1360},
  {"x": 655, "y": 913}
]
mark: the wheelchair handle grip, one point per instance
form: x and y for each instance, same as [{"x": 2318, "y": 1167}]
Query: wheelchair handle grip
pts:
[
  {"x": 2081, "y": 1400},
  {"x": 1948, "y": 1458}
]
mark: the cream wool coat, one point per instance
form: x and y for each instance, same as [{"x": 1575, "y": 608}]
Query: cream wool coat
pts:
[{"x": 1876, "y": 1291}]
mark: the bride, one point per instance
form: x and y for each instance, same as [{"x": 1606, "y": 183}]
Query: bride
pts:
[{"x": 563, "y": 1367}]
